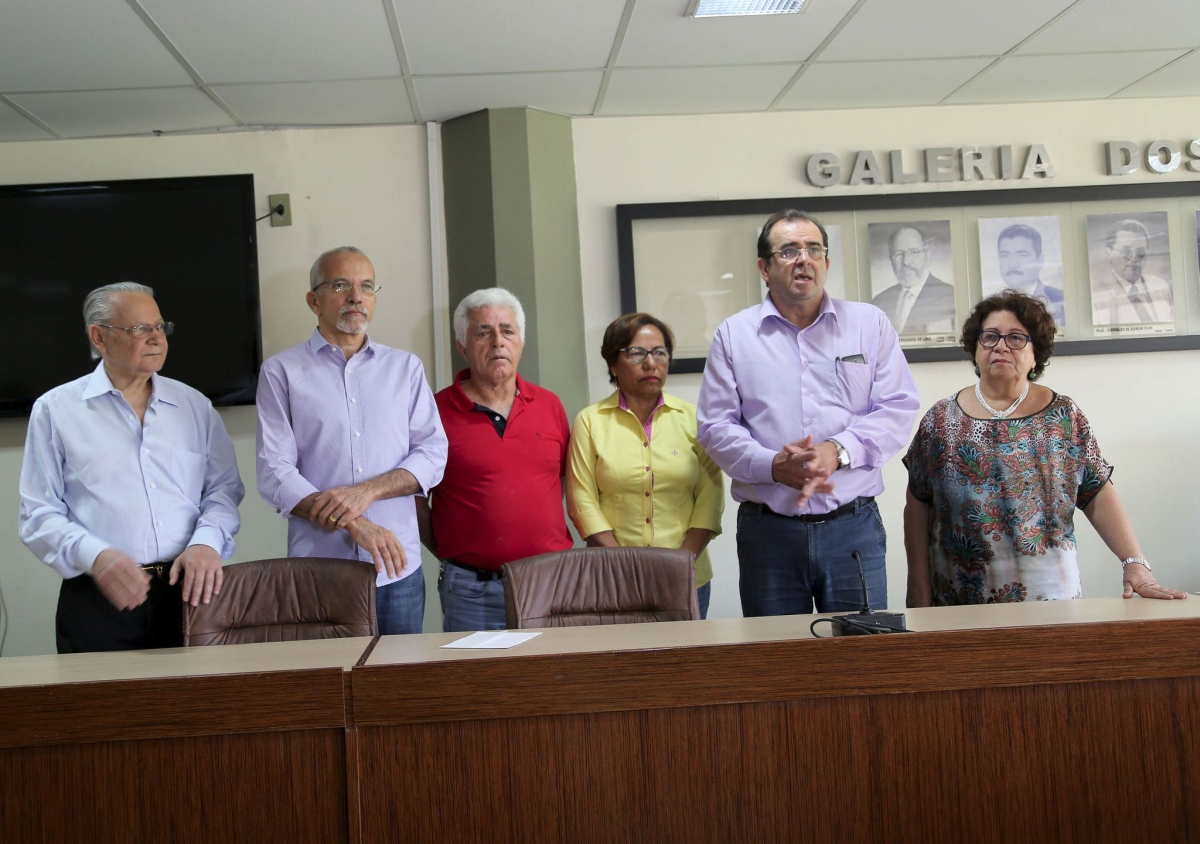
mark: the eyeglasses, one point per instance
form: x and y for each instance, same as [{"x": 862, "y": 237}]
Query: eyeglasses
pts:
[
  {"x": 636, "y": 354},
  {"x": 791, "y": 253},
  {"x": 367, "y": 288},
  {"x": 143, "y": 329},
  {"x": 1015, "y": 340},
  {"x": 1130, "y": 254},
  {"x": 901, "y": 254}
]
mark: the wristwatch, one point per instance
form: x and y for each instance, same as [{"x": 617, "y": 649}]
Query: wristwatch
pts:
[{"x": 842, "y": 455}]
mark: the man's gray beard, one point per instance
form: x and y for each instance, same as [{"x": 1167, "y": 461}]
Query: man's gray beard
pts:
[{"x": 352, "y": 326}]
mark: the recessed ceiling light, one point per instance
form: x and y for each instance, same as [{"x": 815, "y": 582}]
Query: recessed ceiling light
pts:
[{"x": 725, "y": 8}]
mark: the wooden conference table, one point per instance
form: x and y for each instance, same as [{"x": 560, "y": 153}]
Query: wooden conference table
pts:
[{"x": 1058, "y": 722}]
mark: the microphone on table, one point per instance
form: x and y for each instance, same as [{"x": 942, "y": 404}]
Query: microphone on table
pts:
[{"x": 867, "y": 622}]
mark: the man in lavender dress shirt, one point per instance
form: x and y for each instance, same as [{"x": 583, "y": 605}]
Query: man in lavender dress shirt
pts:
[
  {"x": 804, "y": 399},
  {"x": 348, "y": 433}
]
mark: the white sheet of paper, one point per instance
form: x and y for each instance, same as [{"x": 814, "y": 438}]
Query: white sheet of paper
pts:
[{"x": 491, "y": 639}]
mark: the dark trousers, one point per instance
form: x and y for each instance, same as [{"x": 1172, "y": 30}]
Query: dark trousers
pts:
[
  {"x": 87, "y": 622},
  {"x": 788, "y": 564}
]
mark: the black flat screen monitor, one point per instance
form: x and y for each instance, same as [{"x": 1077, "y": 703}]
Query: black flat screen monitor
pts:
[{"x": 191, "y": 239}]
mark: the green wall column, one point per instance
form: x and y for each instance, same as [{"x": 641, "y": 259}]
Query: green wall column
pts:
[{"x": 512, "y": 222}]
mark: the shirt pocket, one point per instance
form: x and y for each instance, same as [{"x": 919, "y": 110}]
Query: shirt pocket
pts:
[
  {"x": 854, "y": 385},
  {"x": 187, "y": 470}
]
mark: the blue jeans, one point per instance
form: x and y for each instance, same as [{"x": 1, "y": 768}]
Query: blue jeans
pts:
[
  {"x": 470, "y": 604},
  {"x": 703, "y": 596},
  {"x": 787, "y": 565},
  {"x": 400, "y": 606}
]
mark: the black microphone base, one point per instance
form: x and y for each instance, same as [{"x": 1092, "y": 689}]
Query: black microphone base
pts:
[{"x": 868, "y": 623}]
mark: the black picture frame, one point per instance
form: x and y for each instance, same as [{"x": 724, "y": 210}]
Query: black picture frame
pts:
[{"x": 628, "y": 214}]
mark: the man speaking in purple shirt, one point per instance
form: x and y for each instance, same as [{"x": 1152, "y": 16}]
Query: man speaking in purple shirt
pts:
[
  {"x": 804, "y": 399},
  {"x": 348, "y": 433}
]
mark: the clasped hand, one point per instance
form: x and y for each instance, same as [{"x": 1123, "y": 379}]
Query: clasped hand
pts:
[
  {"x": 338, "y": 506},
  {"x": 805, "y": 467}
]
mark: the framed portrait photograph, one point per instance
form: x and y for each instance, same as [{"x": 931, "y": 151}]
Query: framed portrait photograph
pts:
[
  {"x": 1198, "y": 238},
  {"x": 1105, "y": 274},
  {"x": 912, "y": 276},
  {"x": 1023, "y": 254},
  {"x": 1129, "y": 261}
]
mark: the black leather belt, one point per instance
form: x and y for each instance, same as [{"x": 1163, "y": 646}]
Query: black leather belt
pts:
[
  {"x": 158, "y": 569},
  {"x": 480, "y": 574},
  {"x": 816, "y": 518}
]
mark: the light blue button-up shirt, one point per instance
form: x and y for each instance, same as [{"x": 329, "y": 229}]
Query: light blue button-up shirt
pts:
[
  {"x": 768, "y": 383},
  {"x": 94, "y": 477}
]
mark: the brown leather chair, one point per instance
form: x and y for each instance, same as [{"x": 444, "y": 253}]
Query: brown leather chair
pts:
[
  {"x": 285, "y": 600},
  {"x": 585, "y": 586}
]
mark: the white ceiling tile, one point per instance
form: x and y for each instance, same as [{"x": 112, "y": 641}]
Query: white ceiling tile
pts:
[
  {"x": 443, "y": 97},
  {"x": 1178, "y": 79},
  {"x": 924, "y": 29},
  {"x": 487, "y": 36},
  {"x": 875, "y": 84},
  {"x": 279, "y": 40},
  {"x": 1118, "y": 25},
  {"x": 80, "y": 114},
  {"x": 66, "y": 45},
  {"x": 695, "y": 90},
  {"x": 1087, "y": 76},
  {"x": 14, "y": 126},
  {"x": 319, "y": 103},
  {"x": 659, "y": 35}
]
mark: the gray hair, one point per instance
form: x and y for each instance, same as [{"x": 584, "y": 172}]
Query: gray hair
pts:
[
  {"x": 896, "y": 234},
  {"x": 496, "y": 297},
  {"x": 98, "y": 310},
  {"x": 316, "y": 275},
  {"x": 1135, "y": 227}
]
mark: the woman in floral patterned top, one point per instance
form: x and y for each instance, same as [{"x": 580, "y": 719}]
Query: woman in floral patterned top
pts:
[{"x": 997, "y": 471}]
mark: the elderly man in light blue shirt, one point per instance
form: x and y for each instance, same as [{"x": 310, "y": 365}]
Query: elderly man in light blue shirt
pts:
[
  {"x": 803, "y": 401},
  {"x": 348, "y": 433},
  {"x": 129, "y": 486}
]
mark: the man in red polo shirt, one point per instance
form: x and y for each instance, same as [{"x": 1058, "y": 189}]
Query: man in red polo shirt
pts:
[{"x": 500, "y": 498}]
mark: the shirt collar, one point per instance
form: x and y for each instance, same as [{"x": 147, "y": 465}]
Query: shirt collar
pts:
[
  {"x": 916, "y": 291},
  {"x": 460, "y": 400},
  {"x": 1128, "y": 286},
  {"x": 768, "y": 309},
  {"x": 614, "y": 402},
  {"x": 99, "y": 384},
  {"x": 316, "y": 343}
]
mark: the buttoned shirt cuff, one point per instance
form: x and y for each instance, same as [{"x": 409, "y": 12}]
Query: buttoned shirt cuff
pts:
[
  {"x": 421, "y": 469},
  {"x": 854, "y": 449},
  {"x": 89, "y": 548},
  {"x": 760, "y": 467},
  {"x": 291, "y": 493},
  {"x": 214, "y": 538}
]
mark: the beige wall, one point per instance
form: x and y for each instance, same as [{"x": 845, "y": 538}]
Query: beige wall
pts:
[
  {"x": 1142, "y": 406},
  {"x": 368, "y": 187}
]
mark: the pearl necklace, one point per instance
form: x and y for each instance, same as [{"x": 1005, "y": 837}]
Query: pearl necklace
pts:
[{"x": 1001, "y": 414}]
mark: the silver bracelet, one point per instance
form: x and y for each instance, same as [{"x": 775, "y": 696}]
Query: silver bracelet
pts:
[{"x": 1139, "y": 560}]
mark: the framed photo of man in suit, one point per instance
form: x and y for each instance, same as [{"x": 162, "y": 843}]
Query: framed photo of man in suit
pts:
[
  {"x": 912, "y": 276},
  {"x": 1129, "y": 256},
  {"x": 1023, "y": 254}
]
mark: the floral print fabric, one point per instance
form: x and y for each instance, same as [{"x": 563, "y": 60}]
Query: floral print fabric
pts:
[{"x": 1002, "y": 496}]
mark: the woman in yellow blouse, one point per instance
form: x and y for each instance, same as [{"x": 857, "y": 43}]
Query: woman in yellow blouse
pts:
[{"x": 636, "y": 475}]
